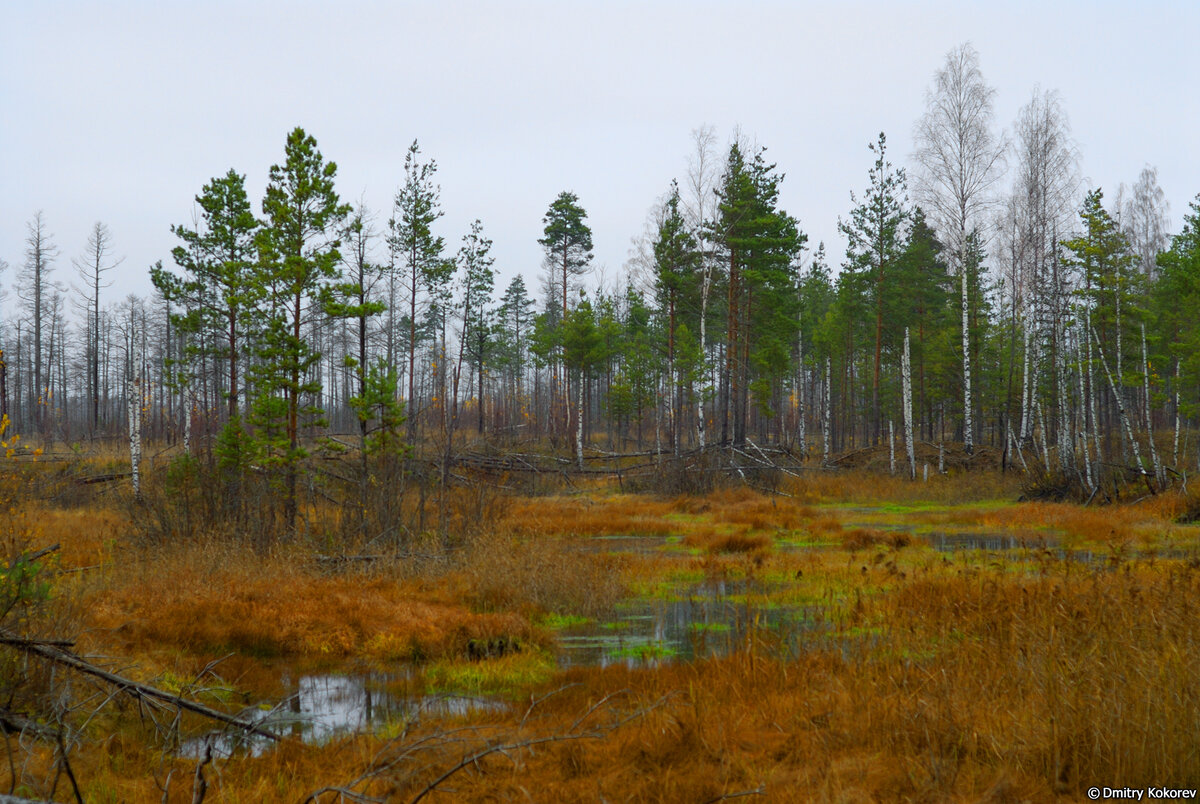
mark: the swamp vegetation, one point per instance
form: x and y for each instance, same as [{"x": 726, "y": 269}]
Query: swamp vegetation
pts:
[{"x": 826, "y": 636}]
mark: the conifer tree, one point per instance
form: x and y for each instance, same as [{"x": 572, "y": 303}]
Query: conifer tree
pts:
[{"x": 299, "y": 257}]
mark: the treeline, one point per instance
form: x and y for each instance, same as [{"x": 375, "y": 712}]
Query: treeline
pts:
[{"x": 1035, "y": 320}]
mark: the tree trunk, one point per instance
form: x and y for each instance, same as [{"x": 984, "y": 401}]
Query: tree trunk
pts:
[
  {"x": 906, "y": 378},
  {"x": 1137, "y": 455},
  {"x": 827, "y": 435},
  {"x": 1158, "y": 470},
  {"x": 579, "y": 423},
  {"x": 968, "y": 420}
]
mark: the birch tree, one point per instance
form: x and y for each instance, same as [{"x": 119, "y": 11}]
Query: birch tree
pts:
[
  {"x": 960, "y": 160},
  {"x": 703, "y": 174},
  {"x": 906, "y": 380},
  {"x": 1043, "y": 194},
  {"x": 1145, "y": 219}
]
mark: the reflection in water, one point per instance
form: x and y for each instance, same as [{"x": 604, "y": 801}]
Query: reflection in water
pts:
[
  {"x": 324, "y": 706},
  {"x": 713, "y": 618},
  {"x": 992, "y": 541}
]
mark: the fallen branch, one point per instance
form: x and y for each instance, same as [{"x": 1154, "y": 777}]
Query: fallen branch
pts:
[
  {"x": 11, "y": 722},
  {"x": 45, "y": 551},
  {"x": 109, "y": 478},
  {"x": 67, "y": 659},
  {"x": 758, "y": 791}
]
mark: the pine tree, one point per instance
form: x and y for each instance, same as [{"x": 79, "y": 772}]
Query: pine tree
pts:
[
  {"x": 417, "y": 208},
  {"x": 676, "y": 261},
  {"x": 759, "y": 243},
  {"x": 478, "y": 280},
  {"x": 218, "y": 294},
  {"x": 298, "y": 247},
  {"x": 568, "y": 244},
  {"x": 515, "y": 319},
  {"x": 875, "y": 239}
]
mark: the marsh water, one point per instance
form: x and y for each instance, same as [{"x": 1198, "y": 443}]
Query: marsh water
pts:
[
  {"x": 681, "y": 621},
  {"x": 323, "y": 706}
]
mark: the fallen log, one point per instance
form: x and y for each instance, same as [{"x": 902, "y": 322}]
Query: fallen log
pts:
[
  {"x": 49, "y": 651},
  {"x": 109, "y": 478}
]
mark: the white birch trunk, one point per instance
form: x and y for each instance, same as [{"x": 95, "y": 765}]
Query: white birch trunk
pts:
[
  {"x": 1137, "y": 454},
  {"x": 579, "y": 423},
  {"x": 188, "y": 406},
  {"x": 134, "y": 399},
  {"x": 1117, "y": 304},
  {"x": 906, "y": 378},
  {"x": 1066, "y": 455},
  {"x": 1026, "y": 393},
  {"x": 1158, "y": 470},
  {"x": 1093, "y": 396},
  {"x": 891, "y": 447},
  {"x": 1042, "y": 436},
  {"x": 941, "y": 458},
  {"x": 1083, "y": 423},
  {"x": 828, "y": 434},
  {"x": 1175, "y": 451},
  {"x": 968, "y": 423},
  {"x": 1017, "y": 448},
  {"x": 705, "y": 386},
  {"x": 800, "y": 435}
]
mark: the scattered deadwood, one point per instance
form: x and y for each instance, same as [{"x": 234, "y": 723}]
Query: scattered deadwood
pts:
[
  {"x": 108, "y": 478},
  {"x": 16, "y": 723},
  {"x": 351, "y": 559},
  {"x": 52, "y": 652},
  {"x": 45, "y": 551}
]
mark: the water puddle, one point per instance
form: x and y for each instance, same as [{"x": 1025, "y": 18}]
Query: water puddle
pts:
[
  {"x": 684, "y": 621},
  {"x": 713, "y": 618},
  {"x": 990, "y": 541},
  {"x": 325, "y": 706}
]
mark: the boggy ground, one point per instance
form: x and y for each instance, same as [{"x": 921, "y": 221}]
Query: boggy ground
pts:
[{"x": 1046, "y": 648}]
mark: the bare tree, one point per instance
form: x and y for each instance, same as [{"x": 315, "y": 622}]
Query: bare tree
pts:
[
  {"x": 35, "y": 290},
  {"x": 92, "y": 265},
  {"x": 960, "y": 160},
  {"x": 1145, "y": 219},
  {"x": 1043, "y": 195},
  {"x": 3, "y": 355}
]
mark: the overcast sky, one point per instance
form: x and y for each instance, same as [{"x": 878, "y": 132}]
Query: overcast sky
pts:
[{"x": 121, "y": 111}]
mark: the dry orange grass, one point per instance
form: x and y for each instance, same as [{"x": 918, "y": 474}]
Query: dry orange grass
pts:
[
  {"x": 585, "y": 516},
  {"x": 207, "y": 601},
  {"x": 863, "y": 538},
  {"x": 1111, "y": 525},
  {"x": 724, "y": 540},
  {"x": 953, "y": 682},
  {"x": 861, "y": 486},
  {"x": 534, "y": 575},
  {"x": 88, "y": 537}
]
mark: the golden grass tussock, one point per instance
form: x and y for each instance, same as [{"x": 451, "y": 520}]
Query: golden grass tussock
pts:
[
  {"x": 869, "y": 487},
  {"x": 1108, "y": 525},
  {"x": 589, "y": 516},
  {"x": 724, "y": 539},
  {"x": 502, "y": 572},
  {"x": 207, "y": 601},
  {"x": 864, "y": 538}
]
